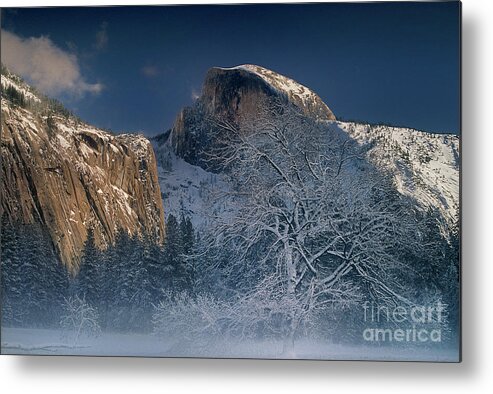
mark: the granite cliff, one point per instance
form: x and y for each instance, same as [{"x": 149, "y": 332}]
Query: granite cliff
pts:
[{"x": 70, "y": 176}]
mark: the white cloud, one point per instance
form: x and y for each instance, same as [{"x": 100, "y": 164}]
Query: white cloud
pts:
[
  {"x": 195, "y": 94},
  {"x": 102, "y": 37},
  {"x": 150, "y": 71},
  {"x": 51, "y": 69}
]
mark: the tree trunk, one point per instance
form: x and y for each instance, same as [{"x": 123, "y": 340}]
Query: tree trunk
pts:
[
  {"x": 291, "y": 326},
  {"x": 288, "y": 344}
]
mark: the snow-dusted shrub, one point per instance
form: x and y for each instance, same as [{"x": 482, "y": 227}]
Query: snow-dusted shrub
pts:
[
  {"x": 188, "y": 317},
  {"x": 79, "y": 318},
  {"x": 263, "y": 312}
]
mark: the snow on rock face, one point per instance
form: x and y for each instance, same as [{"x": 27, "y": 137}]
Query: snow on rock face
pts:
[
  {"x": 20, "y": 86},
  {"x": 236, "y": 84},
  {"x": 425, "y": 166},
  {"x": 71, "y": 176},
  {"x": 302, "y": 96},
  {"x": 187, "y": 189}
]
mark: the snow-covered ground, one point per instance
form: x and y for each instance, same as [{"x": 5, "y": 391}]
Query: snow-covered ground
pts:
[
  {"x": 55, "y": 342},
  {"x": 189, "y": 189}
]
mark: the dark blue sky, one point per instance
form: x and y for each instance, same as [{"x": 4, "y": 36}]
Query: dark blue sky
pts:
[{"x": 395, "y": 63}]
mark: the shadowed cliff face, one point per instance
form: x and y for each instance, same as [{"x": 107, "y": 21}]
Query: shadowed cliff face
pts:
[
  {"x": 230, "y": 93},
  {"x": 70, "y": 177}
]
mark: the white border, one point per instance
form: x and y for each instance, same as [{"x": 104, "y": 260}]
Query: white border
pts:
[{"x": 124, "y": 375}]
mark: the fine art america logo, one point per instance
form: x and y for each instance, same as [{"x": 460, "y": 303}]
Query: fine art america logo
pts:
[{"x": 404, "y": 323}]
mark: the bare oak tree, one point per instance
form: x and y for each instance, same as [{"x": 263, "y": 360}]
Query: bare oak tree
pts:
[{"x": 312, "y": 214}]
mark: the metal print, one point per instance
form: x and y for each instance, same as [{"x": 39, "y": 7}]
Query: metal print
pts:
[{"x": 240, "y": 181}]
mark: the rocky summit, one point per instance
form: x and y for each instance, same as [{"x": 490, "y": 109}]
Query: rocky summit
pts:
[{"x": 229, "y": 93}]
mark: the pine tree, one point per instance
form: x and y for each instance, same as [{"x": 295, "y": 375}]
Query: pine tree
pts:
[
  {"x": 452, "y": 279},
  {"x": 15, "y": 96},
  {"x": 187, "y": 237},
  {"x": 158, "y": 269},
  {"x": 109, "y": 291},
  {"x": 139, "y": 301},
  {"x": 10, "y": 272},
  {"x": 131, "y": 297},
  {"x": 89, "y": 279},
  {"x": 50, "y": 276},
  {"x": 434, "y": 265},
  {"x": 173, "y": 254},
  {"x": 117, "y": 257},
  {"x": 34, "y": 282}
]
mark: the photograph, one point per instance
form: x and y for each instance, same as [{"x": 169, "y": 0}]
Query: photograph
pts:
[{"x": 257, "y": 181}]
